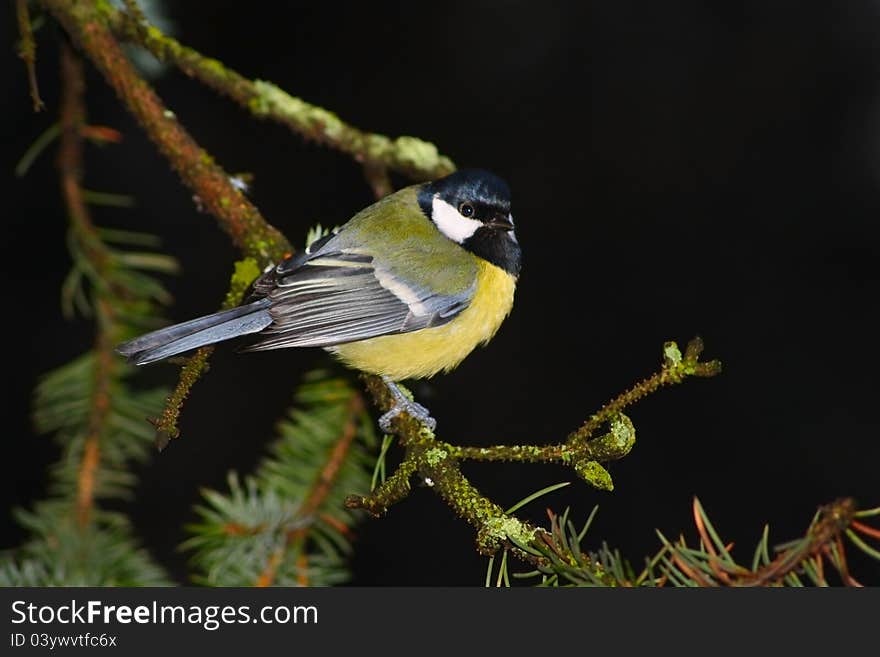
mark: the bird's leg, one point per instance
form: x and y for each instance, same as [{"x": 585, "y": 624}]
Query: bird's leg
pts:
[{"x": 402, "y": 403}]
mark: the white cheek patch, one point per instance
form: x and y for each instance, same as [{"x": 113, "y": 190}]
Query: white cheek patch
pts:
[{"x": 451, "y": 223}]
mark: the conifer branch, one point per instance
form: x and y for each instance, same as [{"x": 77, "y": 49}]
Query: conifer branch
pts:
[
  {"x": 327, "y": 476},
  {"x": 70, "y": 166},
  {"x": 316, "y": 496},
  {"x": 286, "y": 525},
  {"x": 95, "y": 417},
  {"x": 712, "y": 563},
  {"x": 807, "y": 560}
]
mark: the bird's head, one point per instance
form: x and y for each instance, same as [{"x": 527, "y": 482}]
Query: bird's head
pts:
[{"x": 472, "y": 207}]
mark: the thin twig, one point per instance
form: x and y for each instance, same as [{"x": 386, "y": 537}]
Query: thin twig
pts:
[
  {"x": 675, "y": 369},
  {"x": 166, "y": 423},
  {"x": 27, "y": 50}
]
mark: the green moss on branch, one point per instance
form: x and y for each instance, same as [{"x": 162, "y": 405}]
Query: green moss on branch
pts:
[
  {"x": 413, "y": 157},
  {"x": 87, "y": 23}
]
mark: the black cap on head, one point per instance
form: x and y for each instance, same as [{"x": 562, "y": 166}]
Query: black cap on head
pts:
[
  {"x": 487, "y": 193},
  {"x": 474, "y": 185},
  {"x": 472, "y": 207}
]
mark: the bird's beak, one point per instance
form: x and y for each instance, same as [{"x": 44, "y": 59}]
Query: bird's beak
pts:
[{"x": 501, "y": 222}]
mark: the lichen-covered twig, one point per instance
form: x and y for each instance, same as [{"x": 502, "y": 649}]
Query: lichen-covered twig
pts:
[
  {"x": 584, "y": 452},
  {"x": 415, "y": 158},
  {"x": 585, "y": 457},
  {"x": 437, "y": 462},
  {"x": 675, "y": 369},
  {"x": 246, "y": 271}
]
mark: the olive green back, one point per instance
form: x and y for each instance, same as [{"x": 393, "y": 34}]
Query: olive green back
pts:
[{"x": 398, "y": 234}]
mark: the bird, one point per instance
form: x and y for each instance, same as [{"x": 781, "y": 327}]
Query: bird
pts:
[{"x": 405, "y": 289}]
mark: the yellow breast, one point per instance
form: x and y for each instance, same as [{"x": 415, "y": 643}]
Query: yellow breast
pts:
[{"x": 424, "y": 353}]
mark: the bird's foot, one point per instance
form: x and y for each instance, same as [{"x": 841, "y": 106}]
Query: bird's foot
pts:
[{"x": 403, "y": 404}]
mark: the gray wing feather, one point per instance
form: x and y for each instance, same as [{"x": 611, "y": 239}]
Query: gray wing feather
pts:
[
  {"x": 233, "y": 328},
  {"x": 343, "y": 296}
]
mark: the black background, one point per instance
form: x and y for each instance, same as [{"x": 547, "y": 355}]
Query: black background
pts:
[{"x": 677, "y": 169}]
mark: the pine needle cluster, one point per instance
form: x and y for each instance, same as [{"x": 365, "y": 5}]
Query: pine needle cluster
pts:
[
  {"x": 97, "y": 417},
  {"x": 286, "y": 524}
]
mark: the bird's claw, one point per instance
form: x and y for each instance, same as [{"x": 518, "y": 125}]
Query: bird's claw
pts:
[
  {"x": 385, "y": 420},
  {"x": 403, "y": 404}
]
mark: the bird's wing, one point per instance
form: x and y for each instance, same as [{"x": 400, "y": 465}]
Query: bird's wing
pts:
[{"x": 335, "y": 295}]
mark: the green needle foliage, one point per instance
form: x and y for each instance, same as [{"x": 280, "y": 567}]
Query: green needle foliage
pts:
[
  {"x": 97, "y": 418},
  {"x": 63, "y": 553},
  {"x": 816, "y": 559},
  {"x": 63, "y": 405},
  {"x": 286, "y": 525}
]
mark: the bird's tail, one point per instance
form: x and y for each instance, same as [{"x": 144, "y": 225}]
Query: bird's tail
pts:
[{"x": 173, "y": 340}]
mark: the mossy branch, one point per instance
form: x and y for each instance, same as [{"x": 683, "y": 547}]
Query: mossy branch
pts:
[
  {"x": 245, "y": 272},
  {"x": 675, "y": 369},
  {"x": 412, "y": 157},
  {"x": 584, "y": 452},
  {"x": 437, "y": 463},
  {"x": 86, "y": 23}
]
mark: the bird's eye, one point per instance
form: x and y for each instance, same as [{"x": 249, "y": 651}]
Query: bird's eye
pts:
[{"x": 466, "y": 210}]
